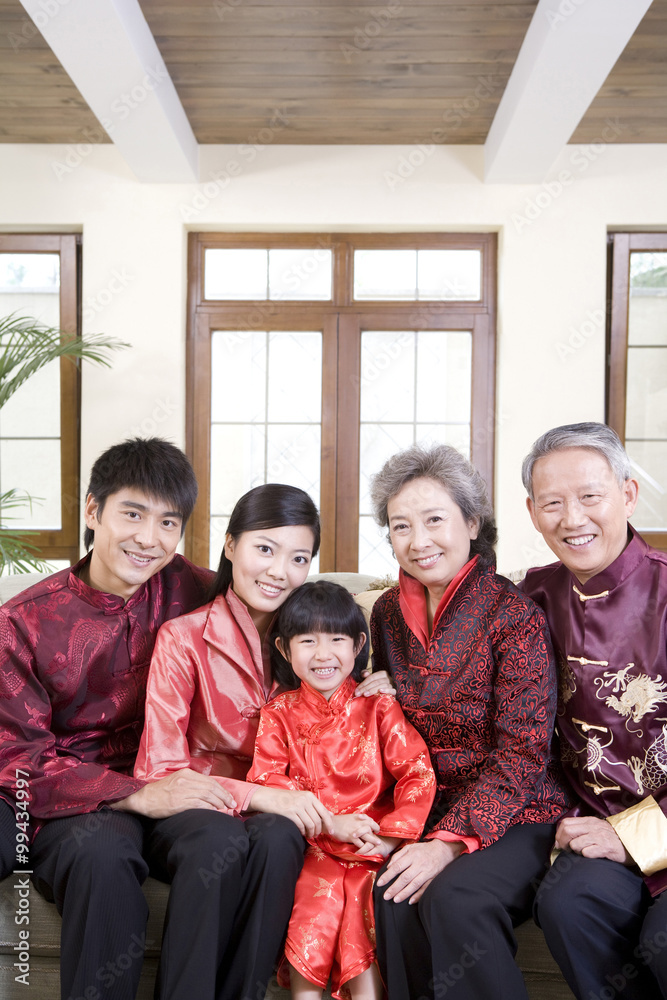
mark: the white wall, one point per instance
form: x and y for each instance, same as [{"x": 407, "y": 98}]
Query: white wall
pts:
[{"x": 552, "y": 264}]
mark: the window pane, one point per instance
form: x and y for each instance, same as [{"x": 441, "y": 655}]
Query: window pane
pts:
[
  {"x": 444, "y": 376},
  {"x": 449, "y": 274},
  {"x": 377, "y": 443},
  {"x": 238, "y": 375},
  {"x": 293, "y": 456},
  {"x": 237, "y": 463},
  {"x": 646, "y": 413},
  {"x": 33, "y": 466},
  {"x": 30, "y": 420},
  {"x": 387, "y": 375},
  {"x": 647, "y": 318},
  {"x": 375, "y": 553},
  {"x": 385, "y": 274},
  {"x": 235, "y": 274},
  {"x": 300, "y": 274},
  {"x": 649, "y": 465},
  {"x": 295, "y": 377}
]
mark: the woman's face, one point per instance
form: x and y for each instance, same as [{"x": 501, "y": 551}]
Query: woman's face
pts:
[
  {"x": 429, "y": 535},
  {"x": 267, "y": 565}
]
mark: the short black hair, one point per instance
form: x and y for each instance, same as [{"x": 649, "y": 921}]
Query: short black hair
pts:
[
  {"x": 272, "y": 505},
  {"x": 318, "y": 606},
  {"x": 155, "y": 466}
]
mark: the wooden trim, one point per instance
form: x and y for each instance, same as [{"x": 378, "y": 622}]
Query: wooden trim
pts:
[
  {"x": 347, "y": 482},
  {"x": 618, "y": 345},
  {"x": 330, "y": 447}
]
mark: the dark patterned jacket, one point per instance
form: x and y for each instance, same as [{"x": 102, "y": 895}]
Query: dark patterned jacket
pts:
[{"x": 482, "y": 694}]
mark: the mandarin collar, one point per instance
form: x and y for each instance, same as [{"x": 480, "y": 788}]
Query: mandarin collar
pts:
[
  {"x": 110, "y": 604},
  {"x": 621, "y": 568},
  {"x": 337, "y": 701},
  {"x": 412, "y": 599}
]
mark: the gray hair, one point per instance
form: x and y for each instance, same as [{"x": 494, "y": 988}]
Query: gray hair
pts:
[
  {"x": 448, "y": 467},
  {"x": 598, "y": 437}
]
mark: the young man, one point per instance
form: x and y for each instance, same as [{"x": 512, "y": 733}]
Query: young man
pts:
[
  {"x": 603, "y": 907},
  {"x": 75, "y": 655}
]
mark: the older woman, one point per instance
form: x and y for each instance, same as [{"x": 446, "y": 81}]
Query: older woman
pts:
[{"x": 475, "y": 674}]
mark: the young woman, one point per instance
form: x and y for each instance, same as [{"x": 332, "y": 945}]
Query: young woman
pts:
[
  {"x": 364, "y": 761},
  {"x": 209, "y": 677}
]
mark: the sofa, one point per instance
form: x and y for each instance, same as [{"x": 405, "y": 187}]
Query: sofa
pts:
[{"x": 38, "y": 979}]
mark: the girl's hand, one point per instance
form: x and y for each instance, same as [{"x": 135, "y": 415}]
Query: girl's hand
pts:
[
  {"x": 351, "y": 828},
  {"x": 413, "y": 868},
  {"x": 303, "y": 808},
  {"x": 379, "y": 845},
  {"x": 377, "y": 683}
]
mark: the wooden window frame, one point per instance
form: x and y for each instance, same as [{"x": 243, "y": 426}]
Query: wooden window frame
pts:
[
  {"x": 621, "y": 245},
  {"x": 342, "y": 326},
  {"x": 63, "y": 543}
]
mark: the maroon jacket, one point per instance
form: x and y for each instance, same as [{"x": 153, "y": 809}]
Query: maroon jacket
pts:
[
  {"x": 482, "y": 694},
  {"x": 73, "y": 669},
  {"x": 610, "y": 636}
]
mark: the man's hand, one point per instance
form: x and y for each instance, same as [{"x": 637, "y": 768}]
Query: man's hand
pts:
[
  {"x": 303, "y": 808},
  {"x": 592, "y": 837},
  {"x": 352, "y": 828},
  {"x": 413, "y": 868},
  {"x": 377, "y": 683},
  {"x": 185, "y": 789}
]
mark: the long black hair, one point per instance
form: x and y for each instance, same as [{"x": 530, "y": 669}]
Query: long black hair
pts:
[
  {"x": 273, "y": 505},
  {"x": 319, "y": 606}
]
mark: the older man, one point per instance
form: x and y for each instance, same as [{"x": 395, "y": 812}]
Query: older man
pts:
[{"x": 603, "y": 906}]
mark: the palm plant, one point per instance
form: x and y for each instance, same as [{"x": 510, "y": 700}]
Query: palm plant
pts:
[{"x": 26, "y": 346}]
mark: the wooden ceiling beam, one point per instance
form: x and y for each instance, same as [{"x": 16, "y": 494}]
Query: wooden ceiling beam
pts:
[
  {"x": 108, "y": 51},
  {"x": 568, "y": 52}
]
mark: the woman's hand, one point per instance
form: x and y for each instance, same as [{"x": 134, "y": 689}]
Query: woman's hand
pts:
[
  {"x": 378, "y": 845},
  {"x": 377, "y": 683},
  {"x": 303, "y": 808},
  {"x": 181, "y": 790},
  {"x": 413, "y": 868},
  {"x": 352, "y": 828}
]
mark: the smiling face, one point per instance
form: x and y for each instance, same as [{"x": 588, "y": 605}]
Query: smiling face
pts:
[
  {"x": 429, "y": 535},
  {"x": 581, "y": 510},
  {"x": 322, "y": 659},
  {"x": 267, "y": 565},
  {"x": 135, "y": 537}
]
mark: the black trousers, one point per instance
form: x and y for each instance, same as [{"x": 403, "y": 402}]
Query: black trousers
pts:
[
  {"x": 8, "y": 840},
  {"x": 232, "y": 888},
  {"x": 603, "y": 928},
  {"x": 458, "y": 940}
]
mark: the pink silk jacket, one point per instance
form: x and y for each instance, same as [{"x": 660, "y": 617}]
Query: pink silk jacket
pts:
[{"x": 209, "y": 678}]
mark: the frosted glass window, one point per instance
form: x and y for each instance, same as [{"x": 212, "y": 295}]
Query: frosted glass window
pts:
[
  {"x": 415, "y": 387},
  {"x": 385, "y": 274},
  {"x": 266, "y": 422},
  {"x": 29, "y": 272},
  {"x": 449, "y": 274},
  {"x": 300, "y": 274},
  {"x": 441, "y": 275},
  {"x": 236, "y": 274},
  {"x": 375, "y": 553},
  {"x": 646, "y": 389}
]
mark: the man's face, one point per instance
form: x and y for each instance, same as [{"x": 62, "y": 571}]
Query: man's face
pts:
[
  {"x": 135, "y": 537},
  {"x": 581, "y": 510}
]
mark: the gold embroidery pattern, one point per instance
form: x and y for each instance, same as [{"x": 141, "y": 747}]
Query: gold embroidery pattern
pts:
[
  {"x": 640, "y": 694},
  {"x": 594, "y": 750},
  {"x": 651, "y": 773}
]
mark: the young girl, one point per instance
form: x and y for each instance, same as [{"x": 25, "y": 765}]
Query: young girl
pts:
[{"x": 364, "y": 762}]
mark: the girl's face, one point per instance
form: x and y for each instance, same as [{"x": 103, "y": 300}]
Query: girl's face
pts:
[
  {"x": 322, "y": 660},
  {"x": 267, "y": 565}
]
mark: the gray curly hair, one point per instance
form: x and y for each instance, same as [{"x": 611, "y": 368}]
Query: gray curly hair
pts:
[{"x": 448, "y": 467}]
